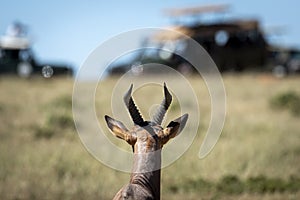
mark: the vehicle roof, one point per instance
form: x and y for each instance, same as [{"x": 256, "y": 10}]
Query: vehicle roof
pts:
[
  {"x": 177, "y": 12},
  {"x": 230, "y": 27},
  {"x": 10, "y": 42}
]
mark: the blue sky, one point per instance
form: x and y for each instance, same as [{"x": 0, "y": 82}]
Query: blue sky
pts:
[{"x": 69, "y": 30}]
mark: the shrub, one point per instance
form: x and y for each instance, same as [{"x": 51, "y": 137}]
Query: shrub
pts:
[
  {"x": 261, "y": 184},
  {"x": 60, "y": 120},
  {"x": 54, "y": 123},
  {"x": 230, "y": 184},
  {"x": 256, "y": 184},
  {"x": 173, "y": 188},
  {"x": 44, "y": 132},
  {"x": 288, "y": 100},
  {"x": 63, "y": 102},
  {"x": 1, "y": 107},
  {"x": 293, "y": 184},
  {"x": 198, "y": 185}
]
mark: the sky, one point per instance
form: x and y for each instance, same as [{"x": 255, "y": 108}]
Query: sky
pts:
[{"x": 69, "y": 30}]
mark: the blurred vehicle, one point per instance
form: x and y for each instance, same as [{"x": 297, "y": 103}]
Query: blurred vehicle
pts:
[
  {"x": 233, "y": 44},
  {"x": 16, "y": 56},
  {"x": 284, "y": 61}
]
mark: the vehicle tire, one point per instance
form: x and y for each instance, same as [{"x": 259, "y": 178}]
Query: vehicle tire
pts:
[
  {"x": 279, "y": 71},
  {"x": 24, "y": 69}
]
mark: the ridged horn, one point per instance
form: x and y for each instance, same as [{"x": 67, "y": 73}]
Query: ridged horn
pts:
[
  {"x": 133, "y": 110},
  {"x": 161, "y": 111}
]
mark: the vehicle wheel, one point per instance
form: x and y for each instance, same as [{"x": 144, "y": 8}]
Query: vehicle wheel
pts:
[
  {"x": 279, "y": 71},
  {"x": 24, "y": 69}
]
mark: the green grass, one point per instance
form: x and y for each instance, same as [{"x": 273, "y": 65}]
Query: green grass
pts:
[
  {"x": 257, "y": 156},
  {"x": 233, "y": 185}
]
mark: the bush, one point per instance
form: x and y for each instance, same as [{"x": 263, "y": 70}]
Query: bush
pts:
[
  {"x": 199, "y": 184},
  {"x": 261, "y": 184},
  {"x": 60, "y": 120},
  {"x": 44, "y": 132},
  {"x": 55, "y": 123},
  {"x": 230, "y": 185},
  {"x": 287, "y": 101},
  {"x": 293, "y": 184},
  {"x": 63, "y": 102},
  {"x": 256, "y": 184},
  {"x": 1, "y": 107}
]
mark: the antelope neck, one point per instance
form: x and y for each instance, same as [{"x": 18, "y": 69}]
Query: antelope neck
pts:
[{"x": 146, "y": 171}]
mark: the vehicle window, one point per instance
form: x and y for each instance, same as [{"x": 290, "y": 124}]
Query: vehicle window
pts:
[{"x": 24, "y": 55}]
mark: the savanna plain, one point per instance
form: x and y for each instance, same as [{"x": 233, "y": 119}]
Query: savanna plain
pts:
[{"x": 257, "y": 155}]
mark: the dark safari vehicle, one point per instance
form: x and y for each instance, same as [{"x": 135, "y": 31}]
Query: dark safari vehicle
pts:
[
  {"x": 16, "y": 56},
  {"x": 233, "y": 44}
]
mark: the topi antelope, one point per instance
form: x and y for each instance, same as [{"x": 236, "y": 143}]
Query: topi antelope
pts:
[{"x": 147, "y": 139}]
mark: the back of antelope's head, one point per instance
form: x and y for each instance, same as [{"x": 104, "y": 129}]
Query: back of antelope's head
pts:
[{"x": 147, "y": 136}]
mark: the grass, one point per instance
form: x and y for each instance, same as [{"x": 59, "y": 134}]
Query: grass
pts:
[
  {"x": 232, "y": 185},
  {"x": 42, "y": 157}
]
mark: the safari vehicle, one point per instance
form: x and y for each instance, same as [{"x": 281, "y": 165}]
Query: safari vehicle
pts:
[
  {"x": 233, "y": 44},
  {"x": 285, "y": 61},
  {"x": 16, "y": 56}
]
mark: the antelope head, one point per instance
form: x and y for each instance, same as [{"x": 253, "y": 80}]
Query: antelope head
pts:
[{"x": 147, "y": 136}]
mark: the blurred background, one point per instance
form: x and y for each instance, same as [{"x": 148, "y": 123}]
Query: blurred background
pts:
[
  {"x": 255, "y": 45},
  {"x": 67, "y": 32}
]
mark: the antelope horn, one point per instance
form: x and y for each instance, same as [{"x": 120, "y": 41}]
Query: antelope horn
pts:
[
  {"x": 161, "y": 111},
  {"x": 133, "y": 110}
]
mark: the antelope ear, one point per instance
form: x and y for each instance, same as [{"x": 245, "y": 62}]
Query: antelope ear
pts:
[
  {"x": 174, "y": 128},
  {"x": 119, "y": 130}
]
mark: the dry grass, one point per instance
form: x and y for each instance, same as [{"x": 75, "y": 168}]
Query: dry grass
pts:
[{"x": 256, "y": 141}]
